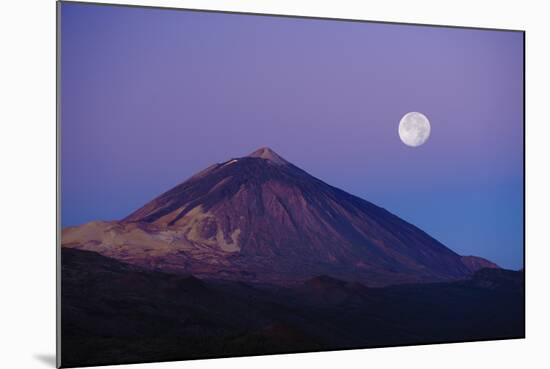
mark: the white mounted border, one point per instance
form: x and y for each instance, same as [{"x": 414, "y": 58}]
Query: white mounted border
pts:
[{"x": 27, "y": 149}]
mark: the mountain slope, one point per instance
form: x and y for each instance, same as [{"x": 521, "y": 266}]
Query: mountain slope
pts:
[
  {"x": 475, "y": 263},
  {"x": 262, "y": 219}
]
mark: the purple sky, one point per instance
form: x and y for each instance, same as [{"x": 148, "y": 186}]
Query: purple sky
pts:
[{"x": 151, "y": 96}]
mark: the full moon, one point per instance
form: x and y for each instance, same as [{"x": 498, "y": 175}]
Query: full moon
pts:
[{"x": 414, "y": 129}]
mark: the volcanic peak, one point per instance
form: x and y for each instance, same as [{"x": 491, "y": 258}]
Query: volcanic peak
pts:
[{"x": 268, "y": 154}]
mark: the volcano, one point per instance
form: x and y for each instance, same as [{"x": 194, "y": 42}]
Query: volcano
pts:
[{"x": 259, "y": 218}]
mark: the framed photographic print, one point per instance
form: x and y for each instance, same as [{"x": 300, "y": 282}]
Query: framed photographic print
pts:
[{"x": 236, "y": 184}]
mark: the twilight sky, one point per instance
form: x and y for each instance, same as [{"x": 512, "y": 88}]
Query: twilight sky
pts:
[{"x": 150, "y": 96}]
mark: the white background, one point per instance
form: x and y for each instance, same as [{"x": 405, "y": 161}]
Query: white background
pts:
[{"x": 27, "y": 202}]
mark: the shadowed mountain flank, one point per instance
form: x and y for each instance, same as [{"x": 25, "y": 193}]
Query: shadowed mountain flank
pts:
[{"x": 114, "y": 312}]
